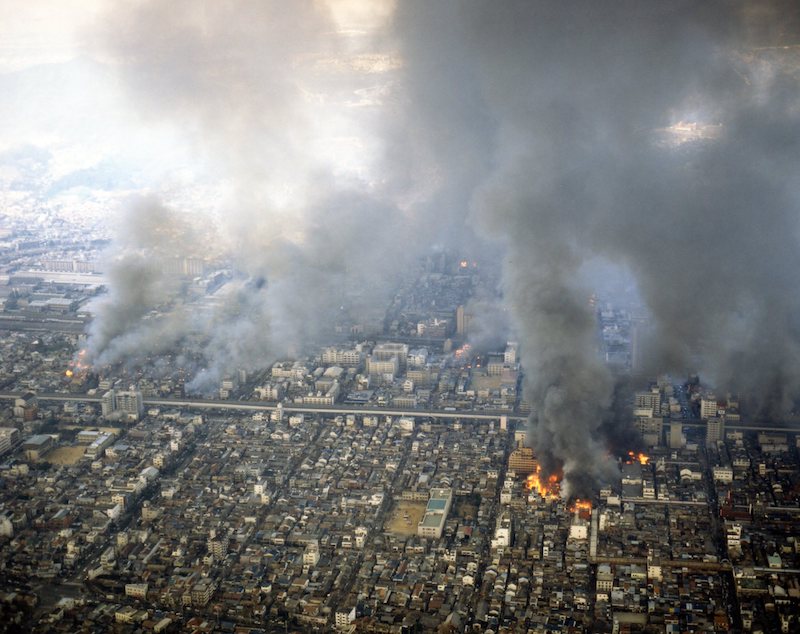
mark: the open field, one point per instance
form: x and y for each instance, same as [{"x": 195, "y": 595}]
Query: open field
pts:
[
  {"x": 404, "y": 517},
  {"x": 65, "y": 455}
]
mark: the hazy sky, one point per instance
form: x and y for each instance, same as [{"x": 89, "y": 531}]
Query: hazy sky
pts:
[
  {"x": 45, "y": 31},
  {"x": 64, "y": 89}
]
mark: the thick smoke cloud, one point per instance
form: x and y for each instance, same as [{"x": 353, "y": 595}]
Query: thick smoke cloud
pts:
[
  {"x": 489, "y": 329},
  {"x": 142, "y": 280},
  {"x": 579, "y": 100},
  {"x": 551, "y": 126},
  {"x": 285, "y": 110}
]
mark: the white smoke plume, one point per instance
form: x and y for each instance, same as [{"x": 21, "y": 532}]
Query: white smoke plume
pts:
[
  {"x": 141, "y": 282},
  {"x": 284, "y": 109}
]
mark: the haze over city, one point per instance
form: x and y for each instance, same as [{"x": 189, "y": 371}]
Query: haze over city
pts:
[{"x": 249, "y": 241}]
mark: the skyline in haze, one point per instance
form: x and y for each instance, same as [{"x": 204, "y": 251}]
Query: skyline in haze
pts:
[{"x": 328, "y": 145}]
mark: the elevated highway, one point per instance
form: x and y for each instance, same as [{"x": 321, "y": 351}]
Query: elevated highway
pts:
[{"x": 255, "y": 406}]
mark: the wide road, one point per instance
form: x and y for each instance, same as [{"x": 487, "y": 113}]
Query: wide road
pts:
[
  {"x": 46, "y": 325},
  {"x": 666, "y": 502},
  {"x": 252, "y": 406}
]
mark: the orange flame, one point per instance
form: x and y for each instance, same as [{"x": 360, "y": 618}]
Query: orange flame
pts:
[
  {"x": 547, "y": 489},
  {"x": 581, "y": 506},
  {"x": 77, "y": 364},
  {"x": 640, "y": 457}
]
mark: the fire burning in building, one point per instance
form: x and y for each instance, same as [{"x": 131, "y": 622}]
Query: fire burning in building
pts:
[
  {"x": 549, "y": 488},
  {"x": 77, "y": 366},
  {"x": 582, "y": 507},
  {"x": 637, "y": 457}
]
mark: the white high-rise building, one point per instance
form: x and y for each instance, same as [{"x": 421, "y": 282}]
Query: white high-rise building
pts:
[
  {"x": 8, "y": 436},
  {"x": 108, "y": 402},
  {"x": 709, "y": 406},
  {"x": 126, "y": 401},
  {"x": 130, "y": 402}
]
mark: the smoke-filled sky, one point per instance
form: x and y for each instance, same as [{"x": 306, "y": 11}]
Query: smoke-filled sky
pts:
[
  {"x": 662, "y": 137},
  {"x": 329, "y": 143}
]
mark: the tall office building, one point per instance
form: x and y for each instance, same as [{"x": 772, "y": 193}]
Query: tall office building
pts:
[
  {"x": 462, "y": 320},
  {"x": 715, "y": 430},
  {"x": 651, "y": 429},
  {"x": 710, "y": 406},
  {"x": 8, "y": 436},
  {"x": 649, "y": 399},
  {"x": 108, "y": 403},
  {"x": 675, "y": 435},
  {"x": 128, "y": 402},
  {"x": 522, "y": 461}
]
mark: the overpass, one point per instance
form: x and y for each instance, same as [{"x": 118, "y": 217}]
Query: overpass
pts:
[
  {"x": 790, "y": 426},
  {"x": 641, "y": 500},
  {"x": 251, "y": 406},
  {"x": 254, "y": 406},
  {"x": 691, "y": 564}
]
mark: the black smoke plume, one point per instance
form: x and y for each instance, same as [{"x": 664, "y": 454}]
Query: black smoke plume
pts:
[{"x": 662, "y": 137}]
